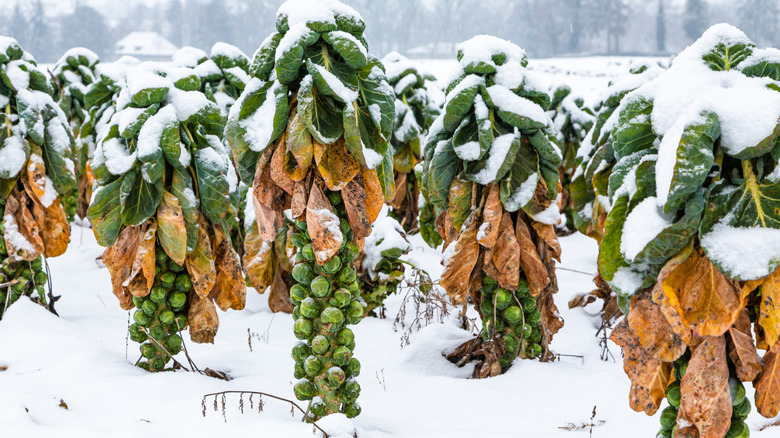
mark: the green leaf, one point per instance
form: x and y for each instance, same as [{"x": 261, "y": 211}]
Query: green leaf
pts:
[
  {"x": 514, "y": 194},
  {"x": 149, "y": 96},
  {"x": 139, "y": 198},
  {"x": 634, "y": 130},
  {"x": 386, "y": 175},
  {"x": 213, "y": 186},
  {"x": 548, "y": 151},
  {"x": 763, "y": 69},
  {"x": 348, "y": 47},
  {"x": 610, "y": 258},
  {"x": 327, "y": 83},
  {"x": 290, "y": 60},
  {"x": 188, "y": 83},
  {"x": 59, "y": 164},
  {"x": 460, "y": 100},
  {"x": 352, "y": 133},
  {"x": 645, "y": 183},
  {"x": 375, "y": 90},
  {"x": 264, "y": 59},
  {"x": 622, "y": 168},
  {"x": 181, "y": 188},
  {"x": 441, "y": 171},
  {"x": 105, "y": 213},
  {"x": 321, "y": 117},
  {"x": 673, "y": 239},
  {"x": 695, "y": 159},
  {"x": 467, "y": 133},
  {"x": 134, "y": 127},
  {"x": 170, "y": 143},
  {"x": 473, "y": 168},
  {"x": 724, "y": 57}
]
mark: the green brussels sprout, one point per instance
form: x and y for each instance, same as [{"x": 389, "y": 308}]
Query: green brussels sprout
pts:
[
  {"x": 148, "y": 350},
  {"x": 181, "y": 322},
  {"x": 300, "y": 352},
  {"x": 332, "y": 316},
  {"x": 26, "y": 273},
  {"x": 318, "y": 408},
  {"x": 138, "y": 302},
  {"x": 136, "y": 334},
  {"x": 298, "y": 371},
  {"x": 303, "y": 273},
  {"x": 355, "y": 309},
  {"x": 168, "y": 278},
  {"x": 673, "y": 394},
  {"x": 683, "y": 368},
  {"x": 668, "y": 418},
  {"x": 333, "y": 265},
  {"x": 737, "y": 390},
  {"x": 175, "y": 267},
  {"x": 161, "y": 256},
  {"x": 503, "y": 298},
  {"x": 352, "y": 410},
  {"x": 529, "y": 304},
  {"x": 536, "y": 350},
  {"x": 350, "y": 390},
  {"x": 487, "y": 281},
  {"x": 299, "y": 224},
  {"x": 183, "y": 283},
  {"x": 663, "y": 434},
  {"x": 320, "y": 345},
  {"x": 342, "y": 356},
  {"x": 296, "y": 312},
  {"x": 304, "y": 390},
  {"x": 158, "y": 294},
  {"x": 309, "y": 308},
  {"x": 336, "y": 376},
  {"x": 345, "y": 336},
  {"x": 536, "y": 335},
  {"x": 299, "y": 239},
  {"x": 37, "y": 264},
  {"x": 341, "y": 298},
  {"x": 307, "y": 252},
  {"x": 298, "y": 258},
  {"x": 742, "y": 410},
  {"x": 173, "y": 343},
  {"x": 334, "y": 198},
  {"x": 347, "y": 275},
  {"x": 344, "y": 227},
  {"x": 320, "y": 287},
  {"x": 157, "y": 333},
  {"x": 157, "y": 364},
  {"x": 486, "y": 306},
  {"x": 142, "y": 319},
  {"x": 21, "y": 285},
  {"x": 350, "y": 253},
  {"x": 298, "y": 293},
  {"x": 513, "y": 315},
  {"x": 177, "y": 300},
  {"x": 40, "y": 278},
  {"x": 512, "y": 344},
  {"x": 303, "y": 328},
  {"x": 149, "y": 308},
  {"x": 534, "y": 318},
  {"x": 312, "y": 365},
  {"x": 167, "y": 317},
  {"x": 353, "y": 368},
  {"x": 354, "y": 288},
  {"x": 738, "y": 429}
]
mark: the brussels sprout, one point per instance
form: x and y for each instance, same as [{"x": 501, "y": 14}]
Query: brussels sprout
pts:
[
  {"x": 320, "y": 287},
  {"x": 177, "y": 300},
  {"x": 157, "y": 333},
  {"x": 36, "y": 264},
  {"x": 668, "y": 418},
  {"x": 303, "y": 273},
  {"x": 148, "y": 350},
  {"x": 347, "y": 275},
  {"x": 312, "y": 365},
  {"x": 345, "y": 336},
  {"x": 529, "y": 304},
  {"x": 353, "y": 368},
  {"x": 300, "y": 352},
  {"x": 487, "y": 281},
  {"x": 304, "y": 390},
  {"x": 352, "y": 410},
  {"x": 350, "y": 253},
  {"x": 175, "y": 267},
  {"x": 742, "y": 410},
  {"x": 333, "y": 265},
  {"x": 168, "y": 278},
  {"x": 536, "y": 335},
  {"x": 355, "y": 309},
  {"x": 137, "y": 302},
  {"x": 141, "y": 318},
  {"x": 181, "y": 322},
  {"x": 512, "y": 344},
  {"x": 486, "y": 306},
  {"x": 320, "y": 345},
  {"x": 503, "y": 298},
  {"x": 342, "y": 356},
  {"x": 341, "y": 298},
  {"x": 298, "y": 293},
  {"x": 296, "y": 313},
  {"x": 40, "y": 278},
  {"x": 298, "y": 371},
  {"x": 351, "y": 389},
  {"x": 536, "y": 350},
  {"x": 673, "y": 394},
  {"x": 299, "y": 224},
  {"x": 334, "y": 198},
  {"x": 738, "y": 429},
  {"x": 303, "y": 328},
  {"x": 160, "y": 256},
  {"x": 309, "y": 308},
  {"x": 173, "y": 343},
  {"x": 333, "y": 316},
  {"x": 167, "y": 317},
  {"x": 737, "y": 391},
  {"x": 299, "y": 239},
  {"x": 136, "y": 334},
  {"x": 513, "y": 315},
  {"x": 318, "y": 408},
  {"x": 534, "y": 318},
  {"x": 307, "y": 252},
  {"x": 157, "y": 364},
  {"x": 158, "y": 294},
  {"x": 336, "y": 376},
  {"x": 183, "y": 283},
  {"x": 149, "y": 308}
]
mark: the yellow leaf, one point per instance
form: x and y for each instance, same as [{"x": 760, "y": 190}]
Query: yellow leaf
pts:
[
  {"x": 200, "y": 262},
  {"x": 258, "y": 260},
  {"x": 336, "y": 164},
  {"x": 171, "y": 228},
  {"x": 769, "y": 310}
]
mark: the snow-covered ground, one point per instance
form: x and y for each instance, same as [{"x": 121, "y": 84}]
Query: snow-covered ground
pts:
[{"x": 83, "y": 360}]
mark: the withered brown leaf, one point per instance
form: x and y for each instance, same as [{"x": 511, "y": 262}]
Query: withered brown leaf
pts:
[
  {"x": 706, "y": 400},
  {"x": 460, "y": 261},
  {"x": 200, "y": 262},
  {"x": 535, "y": 271},
  {"x": 258, "y": 260},
  {"x": 742, "y": 350},
  {"x": 653, "y": 331},
  {"x": 230, "y": 288},
  {"x": 354, "y": 196},
  {"x": 323, "y": 226},
  {"x": 336, "y": 165},
  {"x": 502, "y": 260},
  {"x": 119, "y": 258},
  {"x": 491, "y": 217},
  {"x": 203, "y": 319},
  {"x": 142, "y": 275}
]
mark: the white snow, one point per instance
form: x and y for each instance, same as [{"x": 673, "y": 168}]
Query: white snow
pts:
[
  {"x": 496, "y": 157},
  {"x": 550, "y": 215},
  {"x": 404, "y": 82},
  {"x": 748, "y": 253},
  {"x": 60, "y": 140},
  {"x": 643, "y": 224},
  {"x": 331, "y": 222},
  {"x": 523, "y": 195},
  {"x": 116, "y": 156},
  {"x": 481, "y": 48},
  {"x": 151, "y": 132},
  {"x": 15, "y": 238},
  {"x": 468, "y": 151},
  {"x": 227, "y": 50},
  {"x": 300, "y": 12},
  {"x": 260, "y": 125},
  {"x": 188, "y": 103},
  {"x": 626, "y": 281},
  {"x": 342, "y": 91},
  {"x": 19, "y": 78},
  {"x": 387, "y": 233},
  {"x": 12, "y": 156},
  {"x": 506, "y": 100},
  {"x": 188, "y": 57}
]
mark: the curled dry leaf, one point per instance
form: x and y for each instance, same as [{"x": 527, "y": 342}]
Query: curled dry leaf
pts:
[
  {"x": 354, "y": 196},
  {"x": 708, "y": 302},
  {"x": 36, "y": 177},
  {"x": 171, "y": 228},
  {"x": 300, "y": 198},
  {"x": 279, "y": 298},
  {"x": 491, "y": 218},
  {"x": 323, "y": 226},
  {"x": 52, "y": 220},
  {"x": 502, "y": 261},
  {"x": 200, "y": 262},
  {"x": 445, "y": 229},
  {"x": 768, "y": 386},
  {"x": 547, "y": 233},
  {"x": 119, "y": 259},
  {"x": 335, "y": 163},
  {"x": 535, "y": 271},
  {"x": 258, "y": 260},
  {"x": 769, "y": 310},
  {"x": 706, "y": 400},
  {"x": 203, "y": 319},
  {"x": 230, "y": 288},
  {"x": 672, "y": 316},
  {"x": 299, "y": 143},
  {"x": 459, "y": 261},
  {"x": 741, "y": 348},
  {"x": 142, "y": 276},
  {"x": 265, "y": 197},
  {"x": 649, "y": 376},
  {"x": 374, "y": 197},
  {"x": 400, "y": 194},
  {"x": 278, "y": 167},
  {"x": 22, "y": 237},
  {"x": 653, "y": 331}
]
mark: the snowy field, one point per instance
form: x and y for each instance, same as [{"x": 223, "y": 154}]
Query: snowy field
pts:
[{"x": 73, "y": 376}]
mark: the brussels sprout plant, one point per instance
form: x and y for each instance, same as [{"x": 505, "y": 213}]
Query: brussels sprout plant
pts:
[
  {"x": 692, "y": 242},
  {"x": 36, "y": 168},
  {"x": 311, "y": 131},
  {"x": 415, "y": 111},
  {"x": 74, "y": 74},
  {"x": 165, "y": 199},
  {"x": 491, "y": 172}
]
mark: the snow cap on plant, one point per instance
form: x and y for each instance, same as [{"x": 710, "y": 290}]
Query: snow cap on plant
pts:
[
  {"x": 695, "y": 153},
  {"x": 491, "y": 171},
  {"x": 75, "y": 72},
  {"x": 595, "y": 159}
]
